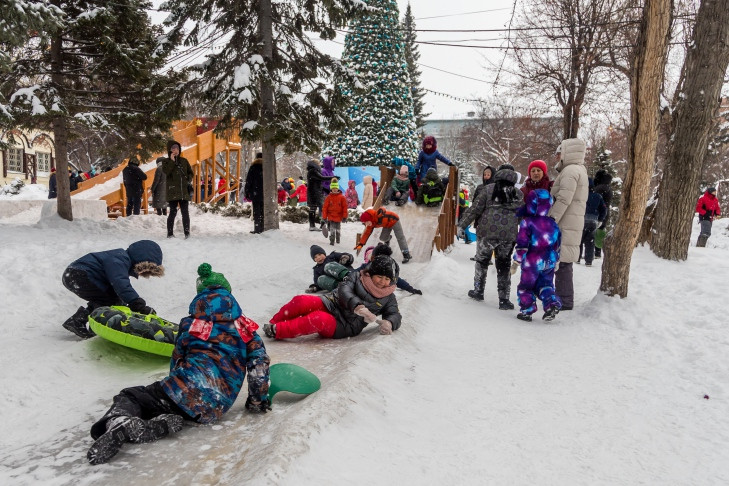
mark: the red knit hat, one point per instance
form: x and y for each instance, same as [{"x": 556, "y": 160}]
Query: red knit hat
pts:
[
  {"x": 368, "y": 215},
  {"x": 540, "y": 164}
]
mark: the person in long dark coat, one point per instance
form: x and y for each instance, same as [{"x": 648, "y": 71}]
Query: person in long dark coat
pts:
[
  {"x": 53, "y": 185},
  {"x": 159, "y": 189},
  {"x": 253, "y": 191},
  {"x": 314, "y": 198},
  {"x": 134, "y": 178},
  {"x": 179, "y": 179}
]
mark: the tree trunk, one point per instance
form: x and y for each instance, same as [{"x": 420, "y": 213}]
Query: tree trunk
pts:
[
  {"x": 695, "y": 117},
  {"x": 60, "y": 135},
  {"x": 645, "y": 87},
  {"x": 270, "y": 191}
]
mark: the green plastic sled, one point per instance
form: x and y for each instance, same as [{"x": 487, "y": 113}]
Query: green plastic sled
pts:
[
  {"x": 291, "y": 378},
  {"x": 148, "y": 333}
]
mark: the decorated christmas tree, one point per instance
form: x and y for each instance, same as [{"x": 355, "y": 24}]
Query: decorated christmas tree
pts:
[{"x": 380, "y": 107}]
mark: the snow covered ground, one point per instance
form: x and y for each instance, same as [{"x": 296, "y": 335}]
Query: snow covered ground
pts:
[{"x": 610, "y": 393}]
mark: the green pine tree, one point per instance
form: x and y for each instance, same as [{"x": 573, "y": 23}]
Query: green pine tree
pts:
[
  {"x": 21, "y": 22},
  {"x": 412, "y": 55},
  {"x": 98, "y": 71},
  {"x": 380, "y": 104}
]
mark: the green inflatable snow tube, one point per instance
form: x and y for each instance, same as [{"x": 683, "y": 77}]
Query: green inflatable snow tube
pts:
[{"x": 147, "y": 333}]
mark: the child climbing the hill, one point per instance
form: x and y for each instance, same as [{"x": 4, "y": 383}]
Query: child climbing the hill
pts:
[
  {"x": 345, "y": 312},
  {"x": 333, "y": 212},
  {"x": 102, "y": 279},
  {"x": 215, "y": 347},
  {"x": 432, "y": 189},
  {"x": 389, "y": 222},
  {"x": 537, "y": 250},
  {"x": 382, "y": 249},
  {"x": 399, "y": 190},
  {"x": 328, "y": 280}
]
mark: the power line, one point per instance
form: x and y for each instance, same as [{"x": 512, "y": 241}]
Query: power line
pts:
[{"x": 462, "y": 13}]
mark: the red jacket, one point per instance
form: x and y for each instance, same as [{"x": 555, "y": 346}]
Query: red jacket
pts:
[
  {"x": 335, "y": 207},
  {"x": 708, "y": 206},
  {"x": 300, "y": 193},
  {"x": 382, "y": 218},
  {"x": 282, "y": 196},
  {"x": 222, "y": 185}
]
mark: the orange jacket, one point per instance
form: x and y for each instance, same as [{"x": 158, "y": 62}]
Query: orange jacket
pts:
[
  {"x": 335, "y": 207},
  {"x": 382, "y": 218}
]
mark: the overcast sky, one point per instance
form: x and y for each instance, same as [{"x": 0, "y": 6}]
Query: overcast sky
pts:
[{"x": 450, "y": 70}]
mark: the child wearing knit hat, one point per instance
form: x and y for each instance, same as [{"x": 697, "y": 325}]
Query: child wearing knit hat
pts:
[
  {"x": 358, "y": 301},
  {"x": 216, "y": 345},
  {"x": 333, "y": 212}
]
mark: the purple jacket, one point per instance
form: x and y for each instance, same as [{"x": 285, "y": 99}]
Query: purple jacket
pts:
[
  {"x": 539, "y": 238},
  {"x": 327, "y": 170}
]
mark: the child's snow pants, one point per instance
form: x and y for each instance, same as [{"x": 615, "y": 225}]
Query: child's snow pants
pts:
[
  {"x": 304, "y": 314},
  {"x": 535, "y": 282}
]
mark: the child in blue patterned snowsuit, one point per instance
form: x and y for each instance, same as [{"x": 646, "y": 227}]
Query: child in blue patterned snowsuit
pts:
[
  {"x": 216, "y": 345},
  {"x": 537, "y": 250}
]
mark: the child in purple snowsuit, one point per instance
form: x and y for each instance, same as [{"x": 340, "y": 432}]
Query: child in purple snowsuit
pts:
[{"x": 537, "y": 250}]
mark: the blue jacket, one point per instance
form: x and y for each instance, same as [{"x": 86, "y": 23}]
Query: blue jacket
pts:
[
  {"x": 399, "y": 162},
  {"x": 111, "y": 269},
  {"x": 426, "y": 162},
  {"x": 595, "y": 209},
  {"x": 207, "y": 375}
]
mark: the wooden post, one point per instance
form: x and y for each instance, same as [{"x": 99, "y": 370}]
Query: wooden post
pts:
[{"x": 123, "y": 200}]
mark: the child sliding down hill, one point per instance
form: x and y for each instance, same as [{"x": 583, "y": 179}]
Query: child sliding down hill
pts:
[{"x": 215, "y": 347}]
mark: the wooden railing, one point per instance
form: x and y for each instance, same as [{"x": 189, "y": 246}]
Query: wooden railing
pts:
[{"x": 196, "y": 149}]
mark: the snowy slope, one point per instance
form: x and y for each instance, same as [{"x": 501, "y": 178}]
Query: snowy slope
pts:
[{"x": 611, "y": 393}]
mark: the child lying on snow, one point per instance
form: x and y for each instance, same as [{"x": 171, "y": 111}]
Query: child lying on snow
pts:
[
  {"x": 346, "y": 311},
  {"x": 215, "y": 346},
  {"x": 322, "y": 280}
]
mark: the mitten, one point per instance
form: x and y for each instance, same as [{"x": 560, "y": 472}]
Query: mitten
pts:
[
  {"x": 346, "y": 260},
  {"x": 358, "y": 247},
  {"x": 311, "y": 289},
  {"x": 257, "y": 406},
  {"x": 514, "y": 266},
  {"x": 461, "y": 234},
  {"x": 364, "y": 312},
  {"x": 137, "y": 305},
  {"x": 385, "y": 326},
  {"x": 417, "y": 291}
]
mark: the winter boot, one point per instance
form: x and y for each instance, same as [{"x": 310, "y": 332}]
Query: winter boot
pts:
[
  {"x": 524, "y": 317},
  {"x": 313, "y": 228},
  {"x": 77, "y": 324},
  {"x": 476, "y": 294},
  {"x": 505, "y": 304},
  {"x": 159, "y": 427},
  {"x": 550, "y": 314},
  {"x": 270, "y": 330},
  {"x": 406, "y": 256},
  {"x": 331, "y": 240},
  {"x": 338, "y": 237},
  {"x": 701, "y": 242},
  {"x": 118, "y": 431}
]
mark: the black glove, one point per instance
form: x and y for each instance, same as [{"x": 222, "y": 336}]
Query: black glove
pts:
[
  {"x": 140, "y": 306},
  {"x": 259, "y": 407},
  {"x": 417, "y": 291}
]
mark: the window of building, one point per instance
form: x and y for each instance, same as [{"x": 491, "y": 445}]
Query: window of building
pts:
[
  {"x": 15, "y": 159},
  {"x": 44, "y": 161}
]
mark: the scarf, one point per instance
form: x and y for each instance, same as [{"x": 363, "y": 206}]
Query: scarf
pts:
[{"x": 373, "y": 289}]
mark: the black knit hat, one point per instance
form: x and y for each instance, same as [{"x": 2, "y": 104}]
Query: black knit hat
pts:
[
  {"x": 382, "y": 265},
  {"x": 315, "y": 250}
]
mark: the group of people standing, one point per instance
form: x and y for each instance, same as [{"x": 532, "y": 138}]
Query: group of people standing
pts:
[{"x": 546, "y": 221}]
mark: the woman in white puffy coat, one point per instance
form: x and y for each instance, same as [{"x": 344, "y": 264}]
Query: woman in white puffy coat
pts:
[{"x": 570, "y": 192}]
